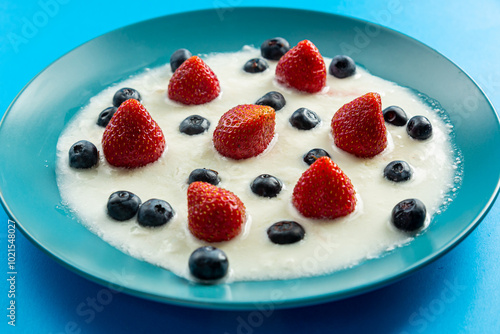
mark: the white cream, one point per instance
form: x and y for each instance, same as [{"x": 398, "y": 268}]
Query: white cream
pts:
[{"x": 328, "y": 245}]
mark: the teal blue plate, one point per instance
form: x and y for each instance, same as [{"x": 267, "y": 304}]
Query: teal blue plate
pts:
[{"x": 32, "y": 124}]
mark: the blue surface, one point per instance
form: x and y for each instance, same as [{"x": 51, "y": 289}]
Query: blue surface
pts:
[{"x": 457, "y": 293}]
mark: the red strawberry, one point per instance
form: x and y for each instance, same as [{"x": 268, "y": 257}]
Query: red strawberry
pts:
[
  {"x": 324, "y": 191},
  {"x": 302, "y": 68},
  {"x": 193, "y": 83},
  {"x": 245, "y": 131},
  {"x": 358, "y": 127},
  {"x": 132, "y": 138},
  {"x": 214, "y": 214}
]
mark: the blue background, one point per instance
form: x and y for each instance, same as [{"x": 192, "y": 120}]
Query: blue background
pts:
[{"x": 458, "y": 293}]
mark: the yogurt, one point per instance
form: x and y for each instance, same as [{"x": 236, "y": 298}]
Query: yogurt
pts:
[{"x": 329, "y": 245}]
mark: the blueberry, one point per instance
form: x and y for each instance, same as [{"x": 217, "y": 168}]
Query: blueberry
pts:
[
  {"x": 266, "y": 185},
  {"x": 178, "y": 57},
  {"x": 286, "y": 232},
  {"x": 419, "y": 127},
  {"x": 255, "y": 65},
  {"x": 123, "y": 205},
  {"x": 314, "y": 154},
  {"x": 83, "y": 154},
  {"x": 398, "y": 171},
  {"x": 204, "y": 175},
  {"x": 395, "y": 115},
  {"x": 105, "y": 116},
  {"x": 273, "y": 99},
  {"x": 208, "y": 263},
  {"x": 304, "y": 119},
  {"x": 154, "y": 212},
  {"x": 409, "y": 215},
  {"x": 274, "y": 48},
  {"x": 124, "y": 94},
  {"x": 342, "y": 67},
  {"x": 194, "y": 125}
]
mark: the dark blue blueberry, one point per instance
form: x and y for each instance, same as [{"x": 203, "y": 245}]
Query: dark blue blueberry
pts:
[
  {"x": 83, "y": 154},
  {"x": 123, "y": 205},
  {"x": 154, "y": 212},
  {"x": 286, "y": 232},
  {"x": 274, "y": 48},
  {"x": 178, "y": 57},
  {"x": 314, "y": 154},
  {"x": 342, "y": 67},
  {"x": 105, "y": 116},
  {"x": 273, "y": 99},
  {"x": 194, "y": 125},
  {"x": 398, "y": 171},
  {"x": 266, "y": 185},
  {"x": 304, "y": 119},
  {"x": 208, "y": 263},
  {"x": 409, "y": 215},
  {"x": 419, "y": 127},
  {"x": 395, "y": 115},
  {"x": 124, "y": 94},
  {"x": 204, "y": 175},
  {"x": 255, "y": 65}
]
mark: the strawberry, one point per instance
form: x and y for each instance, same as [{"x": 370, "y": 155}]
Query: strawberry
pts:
[
  {"x": 214, "y": 214},
  {"x": 324, "y": 191},
  {"x": 245, "y": 131},
  {"x": 193, "y": 83},
  {"x": 132, "y": 138},
  {"x": 358, "y": 127},
  {"x": 302, "y": 68}
]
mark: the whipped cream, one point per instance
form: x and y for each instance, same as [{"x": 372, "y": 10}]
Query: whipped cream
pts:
[{"x": 328, "y": 245}]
